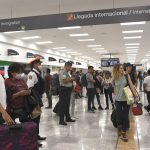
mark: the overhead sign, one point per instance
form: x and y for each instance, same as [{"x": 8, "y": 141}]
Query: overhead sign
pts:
[
  {"x": 51, "y": 59},
  {"x": 78, "y": 63},
  {"x": 62, "y": 61},
  {"x": 84, "y": 18},
  {"x": 12, "y": 52},
  {"x": 30, "y": 55}
]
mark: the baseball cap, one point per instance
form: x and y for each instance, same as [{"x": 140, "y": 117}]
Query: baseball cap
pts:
[{"x": 35, "y": 60}]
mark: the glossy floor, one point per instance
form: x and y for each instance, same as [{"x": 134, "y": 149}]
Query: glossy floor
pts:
[{"x": 89, "y": 132}]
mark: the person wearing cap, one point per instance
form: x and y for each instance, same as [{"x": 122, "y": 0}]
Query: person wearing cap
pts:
[
  {"x": 66, "y": 86},
  {"x": 36, "y": 83}
]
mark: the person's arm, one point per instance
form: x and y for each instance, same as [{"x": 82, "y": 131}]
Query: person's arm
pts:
[
  {"x": 6, "y": 116},
  {"x": 21, "y": 93},
  {"x": 90, "y": 78},
  {"x": 68, "y": 80}
]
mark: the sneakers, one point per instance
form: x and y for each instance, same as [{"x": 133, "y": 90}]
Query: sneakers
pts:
[
  {"x": 94, "y": 108},
  {"x": 100, "y": 108},
  {"x": 146, "y": 108},
  {"x": 124, "y": 137},
  {"x": 106, "y": 108},
  {"x": 63, "y": 123}
]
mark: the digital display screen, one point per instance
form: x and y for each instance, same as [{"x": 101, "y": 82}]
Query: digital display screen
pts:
[{"x": 109, "y": 62}]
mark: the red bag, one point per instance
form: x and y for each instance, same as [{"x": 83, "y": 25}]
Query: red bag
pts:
[
  {"x": 77, "y": 89},
  {"x": 137, "y": 109}
]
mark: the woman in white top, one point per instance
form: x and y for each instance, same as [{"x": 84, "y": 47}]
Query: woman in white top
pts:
[{"x": 108, "y": 90}]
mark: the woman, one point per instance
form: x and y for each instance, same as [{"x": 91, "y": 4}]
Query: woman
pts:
[
  {"x": 16, "y": 92},
  {"x": 108, "y": 90},
  {"x": 120, "y": 81},
  {"x": 97, "y": 86}
]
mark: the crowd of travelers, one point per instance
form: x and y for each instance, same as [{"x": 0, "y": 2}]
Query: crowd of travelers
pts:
[{"x": 23, "y": 98}]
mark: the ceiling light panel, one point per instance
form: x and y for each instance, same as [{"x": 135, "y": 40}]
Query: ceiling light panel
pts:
[
  {"x": 134, "y": 44},
  {"x": 133, "y": 37},
  {"x": 76, "y": 35},
  {"x": 98, "y": 48},
  {"x": 133, "y": 23},
  {"x": 57, "y": 48},
  {"x": 12, "y": 32},
  {"x": 85, "y": 40},
  {"x": 31, "y": 37},
  {"x": 44, "y": 42},
  {"x": 65, "y": 50},
  {"x": 133, "y": 31},
  {"x": 133, "y": 47},
  {"x": 68, "y": 28},
  {"x": 94, "y": 45}
]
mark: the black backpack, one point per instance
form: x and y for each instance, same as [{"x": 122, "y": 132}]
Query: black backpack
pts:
[
  {"x": 84, "y": 80},
  {"x": 113, "y": 118}
]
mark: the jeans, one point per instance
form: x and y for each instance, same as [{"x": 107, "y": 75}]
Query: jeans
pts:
[
  {"x": 106, "y": 96},
  {"x": 122, "y": 114},
  {"x": 90, "y": 94},
  {"x": 49, "y": 97}
]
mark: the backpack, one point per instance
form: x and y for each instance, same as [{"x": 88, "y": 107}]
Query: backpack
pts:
[{"x": 84, "y": 80}]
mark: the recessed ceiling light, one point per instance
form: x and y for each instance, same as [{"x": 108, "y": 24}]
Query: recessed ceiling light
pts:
[
  {"x": 67, "y": 28},
  {"x": 94, "y": 45},
  {"x": 97, "y": 48},
  {"x": 13, "y": 32},
  {"x": 44, "y": 42},
  {"x": 31, "y": 37},
  {"x": 133, "y": 31},
  {"x": 135, "y": 47},
  {"x": 133, "y": 37},
  {"x": 101, "y": 51},
  {"x": 71, "y": 52},
  {"x": 129, "y": 44},
  {"x": 56, "y": 48},
  {"x": 83, "y": 34},
  {"x": 77, "y": 54},
  {"x": 132, "y": 23},
  {"x": 65, "y": 50},
  {"x": 85, "y": 40}
]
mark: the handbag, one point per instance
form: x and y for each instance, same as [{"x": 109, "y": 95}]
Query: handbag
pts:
[
  {"x": 129, "y": 95},
  {"x": 137, "y": 109},
  {"x": 36, "y": 112}
]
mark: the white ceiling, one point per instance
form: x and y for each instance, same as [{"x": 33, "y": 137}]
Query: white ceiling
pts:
[{"x": 109, "y": 36}]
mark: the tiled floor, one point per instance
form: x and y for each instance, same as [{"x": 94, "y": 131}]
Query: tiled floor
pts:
[
  {"x": 89, "y": 132},
  {"x": 143, "y": 128}
]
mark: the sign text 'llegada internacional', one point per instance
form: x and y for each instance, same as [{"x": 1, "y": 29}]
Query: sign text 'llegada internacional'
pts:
[{"x": 84, "y": 18}]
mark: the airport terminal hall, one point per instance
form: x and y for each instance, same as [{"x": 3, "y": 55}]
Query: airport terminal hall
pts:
[{"x": 74, "y": 74}]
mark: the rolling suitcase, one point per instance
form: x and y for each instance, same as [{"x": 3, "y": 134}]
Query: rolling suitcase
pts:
[{"x": 19, "y": 137}]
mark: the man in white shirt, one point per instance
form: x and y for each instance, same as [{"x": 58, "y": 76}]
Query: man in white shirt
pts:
[
  {"x": 4, "y": 114},
  {"x": 146, "y": 87}
]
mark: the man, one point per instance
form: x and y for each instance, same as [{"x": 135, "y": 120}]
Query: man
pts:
[
  {"x": 4, "y": 114},
  {"x": 66, "y": 85},
  {"x": 146, "y": 87},
  {"x": 90, "y": 88},
  {"x": 36, "y": 83},
  {"x": 48, "y": 79}
]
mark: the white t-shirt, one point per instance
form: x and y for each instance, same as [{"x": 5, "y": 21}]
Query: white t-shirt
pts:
[
  {"x": 147, "y": 82},
  {"x": 2, "y": 92}
]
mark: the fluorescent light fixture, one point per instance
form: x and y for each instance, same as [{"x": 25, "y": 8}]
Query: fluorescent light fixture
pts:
[
  {"x": 31, "y": 37},
  {"x": 57, "y": 48},
  {"x": 94, "y": 45},
  {"x": 83, "y": 34},
  {"x": 71, "y": 52},
  {"x": 77, "y": 54},
  {"x": 129, "y": 44},
  {"x": 49, "y": 51},
  {"x": 13, "y": 32},
  {"x": 98, "y": 48},
  {"x": 65, "y": 50},
  {"x": 101, "y": 51},
  {"x": 133, "y": 37},
  {"x": 68, "y": 28},
  {"x": 130, "y": 52},
  {"x": 133, "y": 31},
  {"x": 44, "y": 42},
  {"x": 85, "y": 40},
  {"x": 132, "y": 23},
  {"x": 132, "y": 47}
]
